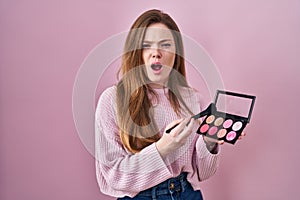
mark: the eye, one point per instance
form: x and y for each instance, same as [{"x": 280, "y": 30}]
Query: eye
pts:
[
  {"x": 145, "y": 46},
  {"x": 166, "y": 45}
]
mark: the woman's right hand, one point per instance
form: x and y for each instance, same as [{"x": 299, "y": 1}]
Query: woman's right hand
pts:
[{"x": 177, "y": 137}]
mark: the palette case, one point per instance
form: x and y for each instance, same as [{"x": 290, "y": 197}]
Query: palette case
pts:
[{"x": 223, "y": 125}]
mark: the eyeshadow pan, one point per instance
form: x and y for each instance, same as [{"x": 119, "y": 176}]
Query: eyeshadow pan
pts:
[
  {"x": 227, "y": 123},
  {"x": 237, "y": 126},
  {"x": 210, "y": 119},
  {"x": 222, "y": 133},
  {"x": 219, "y": 121},
  {"x": 231, "y": 135},
  {"x": 212, "y": 130},
  {"x": 204, "y": 128}
]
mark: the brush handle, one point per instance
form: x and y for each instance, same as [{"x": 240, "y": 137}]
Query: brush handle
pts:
[
  {"x": 211, "y": 108},
  {"x": 170, "y": 129}
]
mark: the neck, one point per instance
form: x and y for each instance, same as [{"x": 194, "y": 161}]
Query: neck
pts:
[{"x": 158, "y": 85}]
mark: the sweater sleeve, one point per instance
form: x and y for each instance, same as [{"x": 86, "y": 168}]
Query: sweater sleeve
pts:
[
  {"x": 205, "y": 163},
  {"x": 116, "y": 168}
]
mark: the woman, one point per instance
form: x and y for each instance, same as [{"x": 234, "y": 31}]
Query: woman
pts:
[{"x": 135, "y": 157}]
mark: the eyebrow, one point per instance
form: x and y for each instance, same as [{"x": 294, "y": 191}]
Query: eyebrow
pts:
[{"x": 161, "y": 41}]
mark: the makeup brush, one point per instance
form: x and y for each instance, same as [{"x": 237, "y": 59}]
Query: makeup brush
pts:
[{"x": 210, "y": 109}]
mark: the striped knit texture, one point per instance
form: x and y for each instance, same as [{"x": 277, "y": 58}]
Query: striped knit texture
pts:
[{"x": 121, "y": 173}]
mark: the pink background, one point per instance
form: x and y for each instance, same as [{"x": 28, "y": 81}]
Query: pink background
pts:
[{"x": 255, "y": 45}]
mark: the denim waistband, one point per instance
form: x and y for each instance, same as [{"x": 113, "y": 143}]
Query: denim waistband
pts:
[{"x": 177, "y": 184}]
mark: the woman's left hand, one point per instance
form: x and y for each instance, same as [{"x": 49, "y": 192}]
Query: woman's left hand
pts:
[
  {"x": 211, "y": 140},
  {"x": 242, "y": 135}
]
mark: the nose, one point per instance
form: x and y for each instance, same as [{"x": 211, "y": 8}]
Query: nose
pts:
[{"x": 155, "y": 53}]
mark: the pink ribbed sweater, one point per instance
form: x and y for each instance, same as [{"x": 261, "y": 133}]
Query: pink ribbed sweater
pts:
[{"x": 121, "y": 173}]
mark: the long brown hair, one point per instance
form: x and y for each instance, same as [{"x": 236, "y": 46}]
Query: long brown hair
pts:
[{"x": 135, "y": 118}]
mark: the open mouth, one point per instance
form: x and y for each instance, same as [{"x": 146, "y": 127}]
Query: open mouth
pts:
[{"x": 156, "y": 66}]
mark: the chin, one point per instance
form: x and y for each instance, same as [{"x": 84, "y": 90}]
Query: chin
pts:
[{"x": 159, "y": 79}]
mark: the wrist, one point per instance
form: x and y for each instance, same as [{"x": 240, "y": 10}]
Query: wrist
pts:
[
  {"x": 160, "y": 148},
  {"x": 211, "y": 146}
]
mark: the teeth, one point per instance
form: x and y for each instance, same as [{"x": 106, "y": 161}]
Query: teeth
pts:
[{"x": 156, "y": 66}]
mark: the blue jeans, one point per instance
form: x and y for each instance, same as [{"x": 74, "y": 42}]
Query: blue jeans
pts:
[{"x": 177, "y": 188}]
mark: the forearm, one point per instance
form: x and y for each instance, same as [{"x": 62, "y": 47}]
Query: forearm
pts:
[
  {"x": 128, "y": 172},
  {"x": 206, "y": 161}
]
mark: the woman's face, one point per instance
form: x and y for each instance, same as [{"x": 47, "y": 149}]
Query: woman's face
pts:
[{"x": 158, "y": 53}]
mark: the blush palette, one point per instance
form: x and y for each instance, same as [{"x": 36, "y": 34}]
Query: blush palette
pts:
[{"x": 225, "y": 125}]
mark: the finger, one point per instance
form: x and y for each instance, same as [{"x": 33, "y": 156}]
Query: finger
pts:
[
  {"x": 199, "y": 121},
  {"x": 208, "y": 139},
  {"x": 175, "y": 122},
  {"x": 221, "y": 142},
  {"x": 172, "y": 125},
  {"x": 187, "y": 130},
  {"x": 180, "y": 127},
  {"x": 243, "y": 134}
]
